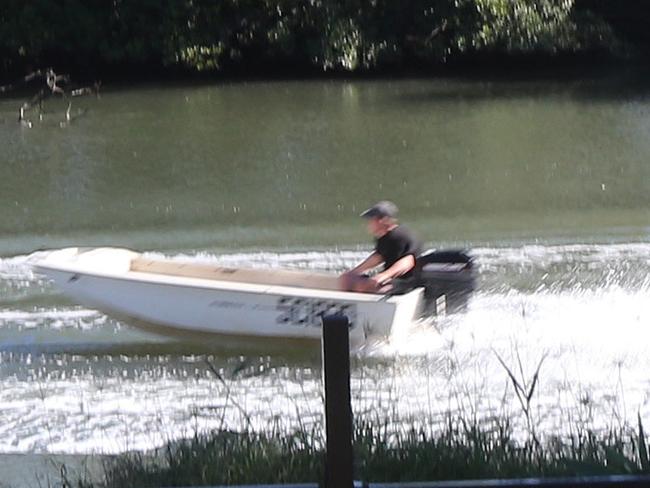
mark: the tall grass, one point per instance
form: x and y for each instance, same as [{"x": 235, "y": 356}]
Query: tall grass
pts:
[
  {"x": 390, "y": 447},
  {"x": 218, "y": 458},
  {"x": 384, "y": 452}
]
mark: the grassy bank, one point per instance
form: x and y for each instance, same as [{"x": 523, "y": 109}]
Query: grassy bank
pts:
[{"x": 456, "y": 449}]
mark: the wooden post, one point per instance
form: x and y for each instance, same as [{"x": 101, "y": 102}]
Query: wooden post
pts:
[{"x": 338, "y": 408}]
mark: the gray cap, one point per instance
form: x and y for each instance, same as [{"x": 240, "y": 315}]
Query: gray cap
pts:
[{"x": 381, "y": 209}]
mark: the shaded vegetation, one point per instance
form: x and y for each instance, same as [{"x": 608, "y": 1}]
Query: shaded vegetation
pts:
[
  {"x": 461, "y": 449},
  {"x": 295, "y": 36}
]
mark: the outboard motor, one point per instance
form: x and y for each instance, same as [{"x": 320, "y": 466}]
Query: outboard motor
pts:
[{"x": 448, "y": 278}]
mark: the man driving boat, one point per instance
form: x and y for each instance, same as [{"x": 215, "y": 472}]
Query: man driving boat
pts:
[{"x": 395, "y": 247}]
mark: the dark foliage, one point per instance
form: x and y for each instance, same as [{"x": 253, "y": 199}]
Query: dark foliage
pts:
[{"x": 297, "y": 37}]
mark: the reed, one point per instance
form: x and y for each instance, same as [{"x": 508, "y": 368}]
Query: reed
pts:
[
  {"x": 385, "y": 451},
  {"x": 391, "y": 447}
]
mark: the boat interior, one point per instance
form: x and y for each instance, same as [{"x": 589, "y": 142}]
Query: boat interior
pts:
[{"x": 278, "y": 277}]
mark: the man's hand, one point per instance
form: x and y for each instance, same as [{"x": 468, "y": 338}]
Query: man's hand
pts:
[
  {"x": 379, "y": 280},
  {"x": 351, "y": 281}
]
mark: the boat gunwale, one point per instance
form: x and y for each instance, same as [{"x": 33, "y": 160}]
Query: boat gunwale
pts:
[{"x": 233, "y": 286}]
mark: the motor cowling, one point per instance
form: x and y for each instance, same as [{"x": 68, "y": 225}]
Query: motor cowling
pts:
[{"x": 448, "y": 277}]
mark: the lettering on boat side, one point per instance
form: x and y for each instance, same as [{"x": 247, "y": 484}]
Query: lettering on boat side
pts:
[
  {"x": 226, "y": 304},
  {"x": 307, "y": 312},
  {"x": 256, "y": 307}
]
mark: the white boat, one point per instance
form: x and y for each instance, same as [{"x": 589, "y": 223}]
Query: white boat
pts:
[{"x": 200, "y": 301}]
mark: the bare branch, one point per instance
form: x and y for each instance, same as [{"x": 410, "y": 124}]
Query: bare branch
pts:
[{"x": 54, "y": 84}]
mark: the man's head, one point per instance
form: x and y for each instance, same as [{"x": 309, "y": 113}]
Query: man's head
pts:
[{"x": 381, "y": 217}]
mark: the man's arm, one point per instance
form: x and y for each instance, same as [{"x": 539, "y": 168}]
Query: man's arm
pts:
[
  {"x": 372, "y": 261},
  {"x": 401, "y": 266},
  {"x": 349, "y": 280}
]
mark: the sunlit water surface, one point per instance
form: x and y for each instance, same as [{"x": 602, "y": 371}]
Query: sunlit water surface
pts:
[{"x": 74, "y": 380}]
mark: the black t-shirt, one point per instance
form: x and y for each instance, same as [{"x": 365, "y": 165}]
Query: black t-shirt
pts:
[{"x": 396, "y": 244}]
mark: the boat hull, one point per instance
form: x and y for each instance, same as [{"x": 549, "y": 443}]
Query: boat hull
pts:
[{"x": 193, "y": 308}]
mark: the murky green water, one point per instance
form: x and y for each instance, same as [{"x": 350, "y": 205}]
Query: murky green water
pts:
[
  {"x": 548, "y": 184},
  {"x": 290, "y": 164}
]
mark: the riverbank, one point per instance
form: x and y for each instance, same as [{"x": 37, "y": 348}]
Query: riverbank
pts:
[{"x": 49, "y": 470}]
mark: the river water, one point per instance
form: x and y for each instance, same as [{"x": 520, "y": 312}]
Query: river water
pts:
[{"x": 548, "y": 184}]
